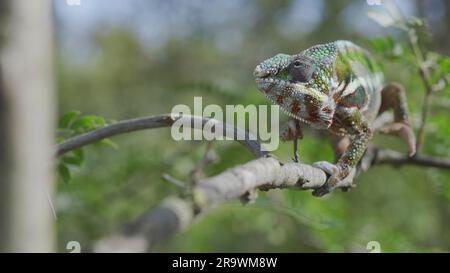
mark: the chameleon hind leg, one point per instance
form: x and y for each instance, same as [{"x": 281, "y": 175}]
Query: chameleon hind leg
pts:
[{"x": 394, "y": 97}]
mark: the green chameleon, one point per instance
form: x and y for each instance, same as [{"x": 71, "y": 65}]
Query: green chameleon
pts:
[{"x": 337, "y": 87}]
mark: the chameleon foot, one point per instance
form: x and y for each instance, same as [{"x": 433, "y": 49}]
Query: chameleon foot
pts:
[
  {"x": 333, "y": 180},
  {"x": 405, "y": 132}
]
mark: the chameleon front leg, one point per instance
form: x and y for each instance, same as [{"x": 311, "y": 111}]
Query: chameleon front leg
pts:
[
  {"x": 360, "y": 134},
  {"x": 292, "y": 131},
  {"x": 339, "y": 144}
]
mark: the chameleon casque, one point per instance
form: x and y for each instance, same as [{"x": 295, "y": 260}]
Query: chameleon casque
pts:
[{"x": 338, "y": 87}]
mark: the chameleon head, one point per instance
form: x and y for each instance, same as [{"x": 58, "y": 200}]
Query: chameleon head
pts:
[{"x": 300, "y": 84}]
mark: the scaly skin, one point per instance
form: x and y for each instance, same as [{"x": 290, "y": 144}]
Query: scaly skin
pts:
[{"x": 337, "y": 87}]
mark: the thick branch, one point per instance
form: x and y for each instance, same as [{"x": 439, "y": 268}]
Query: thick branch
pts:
[
  {"x": 164, "y": 120},
  {"x": 175, "y": 214}
]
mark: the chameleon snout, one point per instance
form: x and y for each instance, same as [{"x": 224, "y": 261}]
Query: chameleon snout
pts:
[{"x": 259, "y": 72}]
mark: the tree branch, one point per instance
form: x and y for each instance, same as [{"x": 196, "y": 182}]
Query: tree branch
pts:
[
  {"x": 263, "y": 173},
  {"x": 176, "y": 214},
  {"x": 159, "y": 121},
  {"x": 424, "y": 74},
  {"x": 208, "y": 158},
  {"x": 385, "y": 156}
]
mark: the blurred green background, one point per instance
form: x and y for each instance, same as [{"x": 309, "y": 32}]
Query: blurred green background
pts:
[{"x": 126, "y": 59}]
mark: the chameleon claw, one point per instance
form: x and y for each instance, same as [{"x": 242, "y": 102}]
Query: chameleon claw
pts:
[
  {"x": 405, "y": 132},
  {"x": 331, "y": 170},
  {"x": 333, "y": 180},
  {"x": 327, "y": 167},
  {"x": 292, "y": 131}
]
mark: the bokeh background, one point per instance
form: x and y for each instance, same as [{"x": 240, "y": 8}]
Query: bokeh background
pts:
[{"x": 126, "y": 59}]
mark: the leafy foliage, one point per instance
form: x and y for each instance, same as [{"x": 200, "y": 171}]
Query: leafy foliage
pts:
[
  {"x": 72, "y": 124},
  {"x": 411, "y": 53}
]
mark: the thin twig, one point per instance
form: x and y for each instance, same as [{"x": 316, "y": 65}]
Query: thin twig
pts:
[
  {"x": 425, "y": 77},
  {"x": 425, "y": 110},
  {"x": 159, "y": 121},
  {"x": 174, "y": 181},
  {"x": 391, "y": 157},
  {"x": 208, "y": 158}
]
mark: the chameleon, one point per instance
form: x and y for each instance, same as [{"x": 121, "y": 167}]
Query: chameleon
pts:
[{"x": 338, "y": 87}]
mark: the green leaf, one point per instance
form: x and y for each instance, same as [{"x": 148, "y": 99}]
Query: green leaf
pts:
[
  {"x": 390, "y": 50},
  {"x": 64, "y": 172},
  {"x": 78, "y": 153},
  {"x": 89, "y": 122},
  {"x": 110, "y": 143},
  {"x": 75, "y": 158},
  {"x": 71, "y": 160},
  {"x": 444, "y": 64},
  {"x": 382, "y": 45},
  {"x": 99, "y": 121},
  {"x": 67, "y": 119},
  {"x": 440, "y": 69}
]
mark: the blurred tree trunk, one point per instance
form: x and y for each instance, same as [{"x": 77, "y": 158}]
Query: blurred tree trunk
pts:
[{"x": 26, "y": 126}]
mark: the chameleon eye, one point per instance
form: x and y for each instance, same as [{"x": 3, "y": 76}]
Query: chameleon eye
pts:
[
  {"x": 297, "y": 63},
  {"x": 300, "y": 71}
]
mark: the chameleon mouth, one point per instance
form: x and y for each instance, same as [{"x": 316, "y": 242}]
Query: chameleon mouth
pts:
[
  {"x": 266, "y": 84},
  {"x": 320, "y": 118},
  {"x": 269, "y": 79},
  {"x": 260, "y": 73},
  {"x": 264, "y": 73}
]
